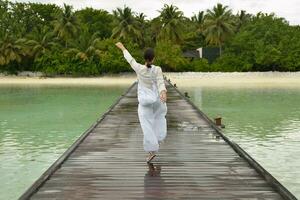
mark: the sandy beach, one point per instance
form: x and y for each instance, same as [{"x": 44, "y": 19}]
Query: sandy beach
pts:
[
  {"x": 236, "y": 79},
  {"x": 186, "y": 79}
]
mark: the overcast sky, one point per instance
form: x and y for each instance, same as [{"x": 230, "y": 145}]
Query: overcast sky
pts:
[{"x": 289, "y": 9}]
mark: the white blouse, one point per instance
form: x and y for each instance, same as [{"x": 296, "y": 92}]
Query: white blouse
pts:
[{"x": 143, "y": 73}]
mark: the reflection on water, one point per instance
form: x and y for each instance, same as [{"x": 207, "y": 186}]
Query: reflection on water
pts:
[
  {"x": 264, "y": 121},
  {"x": 154, "y": 183},
  {"x": 38, "y": 123}
]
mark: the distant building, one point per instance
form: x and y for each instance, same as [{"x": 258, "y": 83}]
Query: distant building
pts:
[{"x": 209, "y": 53}]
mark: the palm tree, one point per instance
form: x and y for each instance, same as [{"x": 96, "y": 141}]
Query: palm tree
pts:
[
  {"x": 41, "y": 42},
  {"x": 142, "y": 23},
  {"x": 141, "y": 18},
  {"x": 218, "y": 25},
  {"x": 127, "y": 25},
  {"x": 242, "y": 18},
  {"x": 85, "y": 48},
  {"x": 154, "y": 29},
  {"x": 198, "y": 18},
  {"x": 11, "y": 50},
  {"x": 171, "y": 19},
  {"x": 66, "y": 25}
]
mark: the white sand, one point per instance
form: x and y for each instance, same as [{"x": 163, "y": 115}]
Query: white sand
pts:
[
  {"x": 68, "y": 81},
  {"x": 236, "y": 79},
  {"x": 187, "y": 79}
]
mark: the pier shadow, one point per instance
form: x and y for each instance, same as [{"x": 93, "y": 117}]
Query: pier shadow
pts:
[{"x": 154, "y": 184}]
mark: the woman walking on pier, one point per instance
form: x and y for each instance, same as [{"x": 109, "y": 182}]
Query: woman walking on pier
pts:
[{"x": 152, "y": 97}]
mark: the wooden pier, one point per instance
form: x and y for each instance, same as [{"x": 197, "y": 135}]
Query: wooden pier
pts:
[{"x": 196, "y": 161}]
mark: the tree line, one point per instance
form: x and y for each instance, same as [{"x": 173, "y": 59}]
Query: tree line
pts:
[{"x": 59, "y": 40}]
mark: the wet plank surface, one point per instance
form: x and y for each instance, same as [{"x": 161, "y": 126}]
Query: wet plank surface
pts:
[{"x": 192, "y": 163}]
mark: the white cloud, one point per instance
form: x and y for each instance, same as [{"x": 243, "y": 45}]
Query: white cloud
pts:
[{"x": 289, "y": 9}]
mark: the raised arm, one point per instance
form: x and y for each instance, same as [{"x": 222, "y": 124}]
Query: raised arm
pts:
[{"x": 134, "y": 65}]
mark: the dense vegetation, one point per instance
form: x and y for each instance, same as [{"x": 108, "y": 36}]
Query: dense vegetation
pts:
[{"x": 55, "y": 40}]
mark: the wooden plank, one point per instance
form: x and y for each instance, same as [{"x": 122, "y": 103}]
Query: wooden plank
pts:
[
  {"x": 108, "y": 162},
  {"x": 43, "y": 178}
]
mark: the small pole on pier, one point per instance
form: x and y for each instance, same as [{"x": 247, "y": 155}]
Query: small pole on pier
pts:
[
  {"x": 186, "y": 95},
  {"x": 218, "y": 122}
]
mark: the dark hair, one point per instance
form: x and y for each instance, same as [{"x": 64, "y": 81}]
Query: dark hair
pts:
[{"x": 148, "y": 56}]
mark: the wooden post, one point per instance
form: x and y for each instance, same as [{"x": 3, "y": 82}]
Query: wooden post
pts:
[
  {"x": 218, "y": 121},
  {"x": 186, "y": 95},
  {"x": 175, "y": 85}
]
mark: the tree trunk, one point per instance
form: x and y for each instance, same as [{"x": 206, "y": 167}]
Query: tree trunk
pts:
[{"x": 220, "y": 48}]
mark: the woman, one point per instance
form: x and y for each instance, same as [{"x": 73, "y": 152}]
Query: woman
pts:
[{"x": 152, "y": 97}]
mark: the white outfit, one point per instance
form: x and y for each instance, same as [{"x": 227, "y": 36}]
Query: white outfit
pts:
[{"x": 152, "y": 117}]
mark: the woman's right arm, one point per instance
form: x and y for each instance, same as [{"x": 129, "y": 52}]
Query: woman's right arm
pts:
[
  {"x": 134, "y": 65},
  {"x": 161, "y": 86}
]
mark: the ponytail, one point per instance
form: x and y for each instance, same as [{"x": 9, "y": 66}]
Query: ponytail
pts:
[
  {"x": 148, "y": 65},
  {"x": 148, "y": 56}
]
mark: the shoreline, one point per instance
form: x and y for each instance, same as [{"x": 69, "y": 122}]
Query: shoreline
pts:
[
  {"x": 185, "y": 79},
  {"x": 65, "y": 81}
]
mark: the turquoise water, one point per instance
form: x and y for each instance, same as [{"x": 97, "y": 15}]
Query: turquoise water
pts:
[
  {"x": 38, "y": 123},
  {"x": 263, "y": 121}
]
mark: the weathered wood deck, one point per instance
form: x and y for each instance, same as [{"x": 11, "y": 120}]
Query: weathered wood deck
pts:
[{"x": 108, "y": 161}]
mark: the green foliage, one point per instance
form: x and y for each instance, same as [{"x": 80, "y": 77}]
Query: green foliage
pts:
[
  {"x": 111, "y": 59},
  {"x": 96, "y": 21},
  {"x": 11, "y": 50},
  {"x": 267, "y": 43},
  {"x": 169, "y": 56},
  {"x": 290, "y": 50},
  {"x": 127, "y": 26},
  {"x": 55, "y": 63},
  {"x": 200, "y": 65},
  {"x": 66, "y": 24},
  {"x": 218, "y": 25},
  {"x": 4, "y": 18},
  {"x": 58, "y": 40},
  {"x": 193, "y": 40},
  {"x": 231, "y": 63},
  {"x": 171, "y": 19}
]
